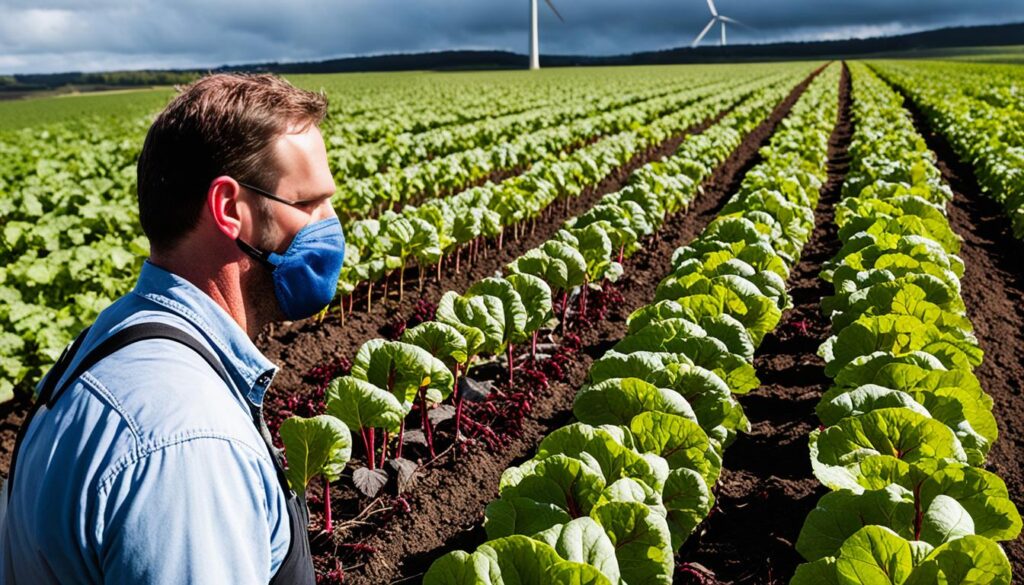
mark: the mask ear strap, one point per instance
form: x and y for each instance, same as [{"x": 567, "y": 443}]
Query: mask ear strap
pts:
[{"x": 261, "y": 256}]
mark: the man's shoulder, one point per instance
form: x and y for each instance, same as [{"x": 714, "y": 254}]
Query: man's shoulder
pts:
[{"x": 163, "y": 391}]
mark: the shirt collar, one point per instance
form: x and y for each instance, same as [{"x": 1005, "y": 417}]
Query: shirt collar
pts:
[{"x": 185, "y": 299}]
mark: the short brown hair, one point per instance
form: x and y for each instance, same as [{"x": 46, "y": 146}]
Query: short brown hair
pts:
[{"x": 222, "y": 124}]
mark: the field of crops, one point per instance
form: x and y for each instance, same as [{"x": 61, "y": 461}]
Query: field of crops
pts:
[{"x": 757, "y": 323}]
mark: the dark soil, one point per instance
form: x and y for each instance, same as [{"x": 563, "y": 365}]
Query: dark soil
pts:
[
  {"x": 446, "y": 508},
  {"x": 993, "y": 289},
  {"x": 767, "y": 487}
]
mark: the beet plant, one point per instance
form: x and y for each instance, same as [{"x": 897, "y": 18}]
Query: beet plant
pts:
[
  {"x": 322, "y": 446},
  {"x": 386, "y": 378},
  {"x": 453, "y": 347}
]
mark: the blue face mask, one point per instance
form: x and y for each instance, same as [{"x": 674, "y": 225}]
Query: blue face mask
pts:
[{"x": 306, "y": 275}]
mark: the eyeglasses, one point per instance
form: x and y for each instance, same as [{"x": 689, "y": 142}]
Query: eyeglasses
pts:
[{"x": 270, "y": 195}]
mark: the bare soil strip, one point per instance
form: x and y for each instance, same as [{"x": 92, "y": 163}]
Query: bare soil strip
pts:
[
  {"x": 767, "y": 487},
  {"x": 993, "y": 289},
  {"x": 447, "y": 506}
]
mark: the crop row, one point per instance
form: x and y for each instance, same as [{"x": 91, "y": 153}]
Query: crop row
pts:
[
  {"x": 459, "y": 170},
  {"x": 610, "y": 498},
  {"x": 906, "y": 425},
  {"x": 369, "y": 108},
  {"x": 423, "y": 235},
  {"x": 353, "y": 162},
  {"x": 981, "y": 116},
  {"x": 388, "y": 379}
]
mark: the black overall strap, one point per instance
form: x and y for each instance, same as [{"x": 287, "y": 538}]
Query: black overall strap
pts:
[
  {"x": 50, "y": 392},
  {"x": 297, "y": 567}
]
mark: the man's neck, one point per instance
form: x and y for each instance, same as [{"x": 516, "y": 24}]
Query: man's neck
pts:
[{"x": 222, "y": 284}]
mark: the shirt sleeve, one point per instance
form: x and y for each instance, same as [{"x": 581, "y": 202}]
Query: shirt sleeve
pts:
[{"x": 202, "y": 510}]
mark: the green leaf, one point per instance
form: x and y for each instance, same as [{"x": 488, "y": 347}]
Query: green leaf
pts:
[
  {"x": 515, "y": 515},
  {"x": 440, "y": 340},
  {"x": 967, "y": 560},
  {"x": 360, "y": 404},
  {"x": 839, "y": 452},
  {"x": 484, "y": 313},
  {"x": 680, "y": 441},
  {"x": 315, "y": 446},
  {"x": 513, "y": 309},
  {"x": 820, "y": 572},
  {"x": 687, "y": 498},
  {"x": 842, "y": 513},
  {"x": 563, "y": 481},
  {"x": 600, "y": 450},
  {"x": 583, "y": 541},
  {"x": 641, "y": 539},
  {"x": 874, "y": 555},
  {"x": 400, "y": 368},
  {"x": 981, "y": 493},
  {"x": 536, "y": 297},
  {"x": 513, "y": 560},
  {"x": 617, "y": 400}
]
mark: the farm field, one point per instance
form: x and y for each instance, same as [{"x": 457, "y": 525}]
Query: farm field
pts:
[{"x": 757, "y": 323}]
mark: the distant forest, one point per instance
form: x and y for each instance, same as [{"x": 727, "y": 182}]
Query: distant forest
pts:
[{"x": 974, "y": 36}]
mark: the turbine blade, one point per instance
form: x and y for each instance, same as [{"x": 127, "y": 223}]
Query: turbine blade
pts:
[
  {"x": 734, "y": 21},
  {"x": 555, "y": 10},
  {"x": 700, "y": 37},
  {"x": 711, "y": 5}
]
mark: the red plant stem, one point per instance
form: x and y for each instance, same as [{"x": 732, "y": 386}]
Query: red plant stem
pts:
[
  {"x": 384, "y": 450},
  {"x": 583, "y": 295},
  {"x": 533, "y": 346},
  {"x": 372, "y": 452},
  {"x": 622, "y": 249},
  {"x": 368, "y": 447},
  {"x": 458, "y": 257},
  {"x": 425, "y": 418},
  {"x": 458, "y": 404},
  {"x": 328, "y": 523},
  {"x": 401, "y": 440},
  {"x": 565, "y": 309},
  {"x": 511, "y": 365}
]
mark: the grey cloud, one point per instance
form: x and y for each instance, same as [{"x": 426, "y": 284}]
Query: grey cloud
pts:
[{"x": 61, "y": 35}]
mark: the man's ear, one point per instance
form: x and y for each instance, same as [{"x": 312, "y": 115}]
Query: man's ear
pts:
[{"x": 222, "y": 203}]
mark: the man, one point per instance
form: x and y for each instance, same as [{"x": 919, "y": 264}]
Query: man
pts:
[{"x": 147, "y": 460}]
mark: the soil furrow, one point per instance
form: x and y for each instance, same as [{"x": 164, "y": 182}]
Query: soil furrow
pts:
[
  {"x": 447, "y": 506},
  {"x": 993, "y": 290},
  {"x": 767, "y": 487}
]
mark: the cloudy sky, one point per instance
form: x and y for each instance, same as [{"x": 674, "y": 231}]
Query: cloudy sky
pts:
[{"x": 92, "y": 35}]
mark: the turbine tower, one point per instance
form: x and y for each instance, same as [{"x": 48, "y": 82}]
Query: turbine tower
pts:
[
  {"x": 715, "y": 18},
  {"x": 534, "y": 42}
]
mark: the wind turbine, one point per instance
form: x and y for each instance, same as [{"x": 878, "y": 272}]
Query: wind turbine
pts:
[
  {"x": 715, "y": 18},
  {"x": 534, "y": 43}
]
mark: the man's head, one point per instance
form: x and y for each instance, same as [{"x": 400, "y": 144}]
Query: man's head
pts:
[{"x": 218, "y": 135}]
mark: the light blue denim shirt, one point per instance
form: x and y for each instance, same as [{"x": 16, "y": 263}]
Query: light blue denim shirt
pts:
[{"x": 148, "y": 469}]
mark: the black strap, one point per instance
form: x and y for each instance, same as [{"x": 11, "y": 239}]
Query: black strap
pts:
[
  {"x": 261, "y": 256},
  {"x": 50, "y": 392},
  {"x": 297, "y": 566}
]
